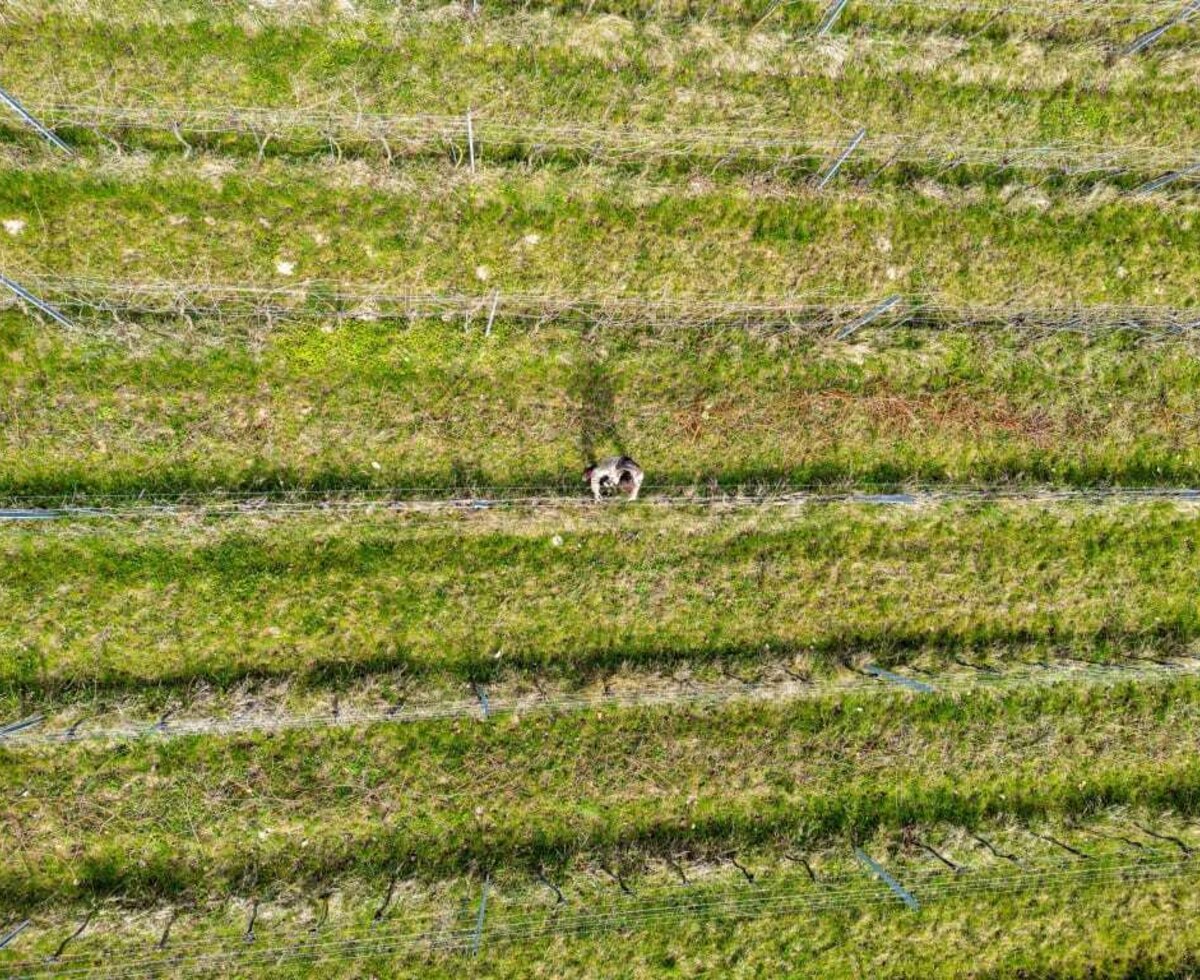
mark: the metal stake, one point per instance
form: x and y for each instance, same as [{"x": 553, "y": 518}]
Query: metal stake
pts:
[
  {"x": 41, "y": 130},
  {"x": 26, "y": 295},
  {"x": 837, "y": 164},
  {"x": 492, "y": 315},
  {"x": 481, "y": 693},
  {"x": 888, "y": 880},
  {"x": 1166, "y": 179},
  {"x": 867, "y": 317},
  {"x": 887, "y": 675},
  {"x": 15, "y": 931},
  {"x": 478, "y": 940},
  {"x": 17, "y": 726},
  {"x": 1144, "y": 41},
  {"x": 835, "y": 11}
]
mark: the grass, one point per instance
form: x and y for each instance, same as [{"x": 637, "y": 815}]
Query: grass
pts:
[
  {"x": 438, "y": 406},
  {"x": 1006, "y": 923},
  {"x": 110, "y": 607},
  {"x": 1011, "y": 926},
  {"x": 133, "y": 617},
  {"x": 1059, "y": 20},
  {"x": 589, "y": 70},
  {"x": 559, "y": 233},
  {"x": 257, "y": 813}
]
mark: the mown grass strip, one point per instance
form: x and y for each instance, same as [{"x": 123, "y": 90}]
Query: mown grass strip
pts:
[
  {"x": 349, "y": 922},
  {"x": 432, "y": 410},
  {"x": 315, "y": 806},
  {"x": 560, "y": 235},
  {"x": 95, "y": 720},
  {"x": 245, "y": 311},
  {"x": 977, "y": 16},
  {"x": 613, "y": 71},
  {"x": 318, "y": 601},
  {"x": 404, "y": 941},
  {"x": 787, "y": 154}
]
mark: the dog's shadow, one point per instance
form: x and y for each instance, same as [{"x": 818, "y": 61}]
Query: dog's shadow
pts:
[{"x": 594, "y": 393}]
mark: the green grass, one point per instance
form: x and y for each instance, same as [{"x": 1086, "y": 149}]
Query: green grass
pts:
[
  {"x": 1062, "y": 21},
  {"x": 1139, "y": 926},
  {"x": 115, "y": 606},
  {"x": 575, "y": 236},
  {"x": 200, "y": 818},
  {"x": 124, "y": 619},
  {"x": 434, "y": 406},
  {"x": 438, "y": 406},
  {"x": 589, "y": 70}
]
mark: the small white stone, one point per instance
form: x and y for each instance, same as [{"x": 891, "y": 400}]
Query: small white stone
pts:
[
  {"x": 14, "y": 226},
  {"x": 284, "y": 268}
]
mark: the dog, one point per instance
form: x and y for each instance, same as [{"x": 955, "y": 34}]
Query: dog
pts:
[{"x": 615, "y": 473}]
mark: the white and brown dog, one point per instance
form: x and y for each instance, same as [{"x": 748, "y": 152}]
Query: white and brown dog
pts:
[{"x": 615, "y": 473}]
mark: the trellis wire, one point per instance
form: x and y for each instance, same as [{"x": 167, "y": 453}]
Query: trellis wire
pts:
[
  {"x": 422, "y": 500},
  {"x": 1099, "y": 8},
  {"x": 850, "y": 890},
  {"x": 423, "y": 131},
  {"x": 1095, "y": 10},
  {"x": 1104, "y": 7},
  {"x": 530, "y": 926},
  {"x": 112, "y": 298},
  {"x": 690, "y": 694},
  {"x": 546, "y": 923},
  {"x": 932, "y": 883}
]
